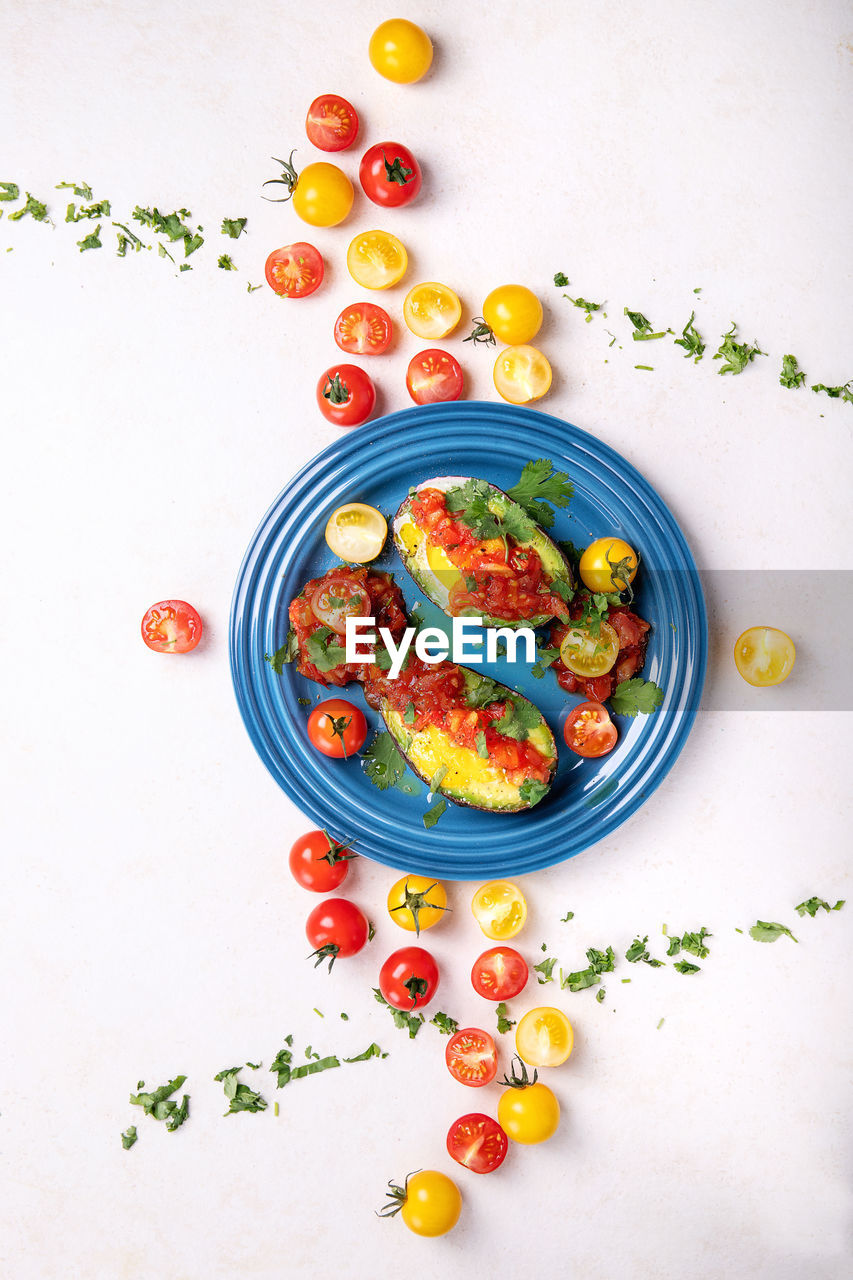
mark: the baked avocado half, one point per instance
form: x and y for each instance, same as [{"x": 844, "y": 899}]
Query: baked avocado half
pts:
[
  {"x": 460, "y": 773},
  {"x": 489, "y": 512}
]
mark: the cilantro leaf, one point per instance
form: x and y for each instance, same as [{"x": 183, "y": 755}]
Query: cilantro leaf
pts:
[
  {"x": 684, "y": 966},
  {"x": 543, "y": 662},
  {"x": 9, "y": 191},
  {"x": 538, "y": 485},
  {"x": 432, "y": 815},
  {"x": 471, "y": 501},
  {"x": 532, "y": 791},
  {"x": 570, "y": 915},
  {"x": 482, "y": 748},
  {"x": 281, "y": 1065},
  {"x": 324, "y": 650},
  {"x": 160, "y": 1104},
  {"x": 127, "y": 240},
  {"x": 372, "y": 1051},
  {"x": 634, "y": 696},
  {"x": 642, "y": 329},
  {"x": 233, "y": 227},
  {"x": 286, "y": 653},
  {"x": 639, "y": 951},
  {"x": 92, "y": 240},
  {"x": 518, "y": 719},
  {"x": 240, "y": 1096},
  {"x": 411, "y": 1021},
  {"x": 129, "y": 1137},
  {"x": 383, "y": 763},
  {"x": 792, "y": 375},
  {"x": 812, "y": 905},
  {"x": 695, "y": 943},
  {"x": 769, "y": 931},
  {"x": 737, "y": 355},
  {"x": 691, "y": 341},
  {"x": 481, "y": 691},
  {"x": 845, "y": 392},
  {"x": 504, "y": 1023},
  {"x": 599, "y": 962},
  {"x": 226, "y": 263},
  {"x": 560, "y": 280},
  {"x": 81, "y": 189},
  {"x": 35, "y": 208},
  {"x": 546, "y": 968},
  {"x": 447, "y": 1026}
]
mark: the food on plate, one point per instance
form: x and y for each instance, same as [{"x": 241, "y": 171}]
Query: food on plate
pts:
[
  {"x": 608, "y": 565},
  {"x": 477, "y": 1142},
  {"x": 400, "y": 51},
  {"x": 331, "y": 123},
  {"x": 318, "y": 617},
  {"x": 589, "y": 731},
  {"x": 337, "y": 728},
  {"x": 318, "y": 862},
  {"x": 764, "y": 656},
  {"x": 294, "y": 270},
  {"x": 472, "y": 1057},
  {"x": 171, "y": 626},
  {"x": 321, "y": 193},
  {"x": 499, "y": 973},
  {"x": 428, "y": 1202},
  {"x": 346, "y": 395},
  {"x": 592, "y": 619},
  {"x": 476, "y": 552},
  {"x": 376, "y": 259},
  {"x": 389, "y": 174},
  {"x": 434, "y": 376},
  {"x": 521, "y": 374},
  {"x": 544, "y": 1037},
  {"x": 409, "y": 978},
  {"x": 431, "y": 310},
  {"x": 336, "y": 928},
  {"x": 356, "y": 532},
  {"x": 528, "y": 1111},
  {"x": 500, "y": 909},
  {"x": 417, "y": 902},
  {"x": 513, "y": 313},
  {"x": 589, "y": 648},
  {"x": 363, "y": 329}
]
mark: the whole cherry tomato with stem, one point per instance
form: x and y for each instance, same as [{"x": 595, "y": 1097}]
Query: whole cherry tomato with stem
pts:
[
  {"x": 320, "y": 863},
  {"x": 409, "y": 978},
  {"x": 416, "y": 902},
  {"x": 346, "y": 395},
  {"x": 528, "y": 1111},
  {"x": 335, "y": 929},
  {"x": 322, "y": 194},
  {"x": 337, "y": 728},
  {"x": 390, "y": 175},
  {"x": 428, "y": 1202}
]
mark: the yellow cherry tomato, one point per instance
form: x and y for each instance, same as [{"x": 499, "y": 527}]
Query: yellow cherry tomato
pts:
[
  {"x": 500, "y": 909},
  {"x": 608, "y": 564},
  {"x": 356, "y": 532},
  {"x": 587, "y": 654},
  {"x": 376, "y": 259},
  {"x": 428, "y": 1202},
  {"x": 764, "y": 656},
  {"x": 513, "y": 313},
  {"x": 529, "y": 1114},
  {"x": 522, "y": 374},
  {"x": 544, "y": 1037},
  {"x": 400, "y": 51},
  {"x": 416, "y": 902},
  {"x": 323, "y": 194},
  {"x": 431, "y": 310}
]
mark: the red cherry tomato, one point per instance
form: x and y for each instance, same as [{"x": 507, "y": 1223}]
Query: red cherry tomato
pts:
[
  {"x": 337, "y": 728},
  {"x": 433, "y": 375},
  {"x": 295, "y": 270},
  {"x": 471, "y": 1057},
  {"x": 408, "y": 979},
  {"x": 171, "y": 626},
  {"x": 477, "y": 1142},
  {"x": 589, "y": 731},
  {"x": 320, "y": 863},
  {"x": 331, "y": 123},
  {"x": 363, "y": 329},
  {"x": 346, "y": 395},
  {"x": 336, "y": 928},
  {"x": 338, "y": 597},
  {"x": 389, "y": 174},
  {"x": 499, "y": 973}
]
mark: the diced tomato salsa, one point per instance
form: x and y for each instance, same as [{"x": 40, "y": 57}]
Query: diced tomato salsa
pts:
[
  {"x": 499, "y": 577},
  {"x": 632, "y": 631}
]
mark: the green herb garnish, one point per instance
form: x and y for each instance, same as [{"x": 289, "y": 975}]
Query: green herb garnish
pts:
[
  {"x": 226, "y": 263},
  {"x": 447, "y": 1026},
  {"x": 769, "y": 931},
  {"x": 240, "y": 1096},
  {"x": 546, "y": 969},
  {"x": 504, "y": 1023},
  {"x": 636, "y": 696},
  {"x": 160, "y": 1104},
  {"x": 411, "y": 1021},
  {"x": 812, "y": 905},
  {"x": 737, "y": 355},
  {"x": 538, "y": 485},
  {"x": 35, "y": 208},
  {"x": 129, "y": 1137},
  {"x": 691, "y": 341},
  {"x": 792, "y": 375},
  {"x": 234, "y": 227}
]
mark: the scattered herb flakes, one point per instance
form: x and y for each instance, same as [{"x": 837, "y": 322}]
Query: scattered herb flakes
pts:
[
  {"x": 409, "y": 714},
  {"x": 81, "y": 189},
  {"x": 538, "y": 485},
  {"x": 769, "y": 931},
  {"x": 518, "y": 719},
  {"x": 792, "y": 375},
  {"x": 372, "y": 1051},
  {"x": 834, "y": 393},
  {"x": 345, "y": 1017},
  {"x": 532, "y": 791},
  {"x": 432, "y": 815},
  {"x": 660, "y": 1024},
  {"x": 129, "y": 1137},
  {"x": 371, "y": 931},
  {"x": 91, "y": 241},
  {"x": 570, "y": 915},
  {"x": 100, "y": 209},
  {"x": 288, "y": 651},
  {"x": 281, "y": 1064},
  {"x": 411, "y": 1021},
  {"x": 695, "y": 943},
  {"x": 684, "y": 966},
  {"x": 600, "y": 995},
  {"x": 382, "y": 762},
  {"x": 544, "y": 659},
  {"x": 634, "y": 696},
  {"x": 599, "y": 962},
  {"x": 505, "y": 1023},
  {"x": 324, "y": 650},
  {"x": 234, "y": 227},
  {"x": 240, "y": 1096},
  {"x": 812, "y": 905},
  {"x": 650, "y": 368},
  {"x": 36, "y": 209},
  {"x": 545, "y": 969},
  {"x": 737, "y": 355},
  {"x": 643, "y": 330},
  {"x": 160, "y": 1104},
  {"x": 639, "y": 951},
  {"x": 253, "y": 288},
  {"x": 561, "y": 280},
  {"x": 127, "y": 239},
  {"x": 226, "y": 263},
  {"x": 691, "y": 341},
  {"x": 674, "y": 946},
  {"x": 304, "y": 702},
  {"x": 9, "y": 191},
  {"x": 583, "y": 305},
  {"x": 447, "y": 1026}
]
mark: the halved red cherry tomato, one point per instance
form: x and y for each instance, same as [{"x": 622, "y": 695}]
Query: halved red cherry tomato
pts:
[
  {"x": 363, "y": 329},
  {"x": 346, "y": 395},
  {"x": 338, "y": 597},
  {"x": 320, "y": 863},
  {"x": 433, "y": 375},
  {"x": 337, "y": 728},
  {"x": 499, "y": 973},
  {"x": 336, "y": 928},
  {"x": 471, "y": 1057},
  {"x": 408, "y": 978},
  {"x": 389, "y": 174},
  {"x": 171, "y": 626},
  {"x": 331, "y": 123},
  {"x": 477, "y": 1142},
  {"x": 589, "y": 731},
  {"x": 294, "y": 270}
]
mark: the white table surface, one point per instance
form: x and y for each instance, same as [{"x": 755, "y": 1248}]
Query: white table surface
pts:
[{"x": 150, "y": 923}]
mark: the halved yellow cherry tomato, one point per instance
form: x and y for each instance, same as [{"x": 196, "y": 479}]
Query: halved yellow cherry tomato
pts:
[
  {"x": 417, "y": 902},
  {"x": 323, "y": 194},
  {"x": 608, "y": 564},
  {"x": 513, "y": 313},
  {"x": 530, "y": 1114},
  {"x": 400, "y": 51},
  {"x": 544, "y": 1037},
  {"x": 764, "y": 656},
  {"x": 500, "y": 909},
  {"x": 522, "y": 374},
  {"x": 376, "y": 259},
  {"x": 589, "y": 655},
  {"x": 431, "y": 310},
  {"x": 356, "y": 532}
]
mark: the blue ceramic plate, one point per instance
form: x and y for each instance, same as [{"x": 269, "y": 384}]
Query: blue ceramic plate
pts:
[{"x": 376, "y": 464}]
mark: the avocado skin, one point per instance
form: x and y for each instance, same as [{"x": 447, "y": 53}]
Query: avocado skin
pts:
[
  {"x": 402, "y": 740},
  {"x": 553, "y": 561}
]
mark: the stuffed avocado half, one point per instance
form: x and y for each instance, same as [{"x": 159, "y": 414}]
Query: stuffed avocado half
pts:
[{"x": 477, "y": 553}]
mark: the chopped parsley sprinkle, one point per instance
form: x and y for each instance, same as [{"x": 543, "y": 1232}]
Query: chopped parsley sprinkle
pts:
[
  {"x": 226, "y": 263},
  {"x": 447, "y": 1026},
  {"x": 769, "y": 931},
  {"x": 736, "y": 355},
  {"x": 234, "y": 227}
]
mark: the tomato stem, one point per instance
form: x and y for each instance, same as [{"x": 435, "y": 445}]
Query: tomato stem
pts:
[
  {"x": 289, "y": 178},
  {"x": 416, "y": 902},
  {"x": 519, "y": 1079},
  {"x": 481, "y": 333},
  {"x": 329, "y": 951},
  {"x": 416, "y": 988},
  {"x": 397, "y": 1197},
  {"x": 396, "y": 171},
  {"x": 336, "y": 391},
  {"x": 337, "y": 851}
]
